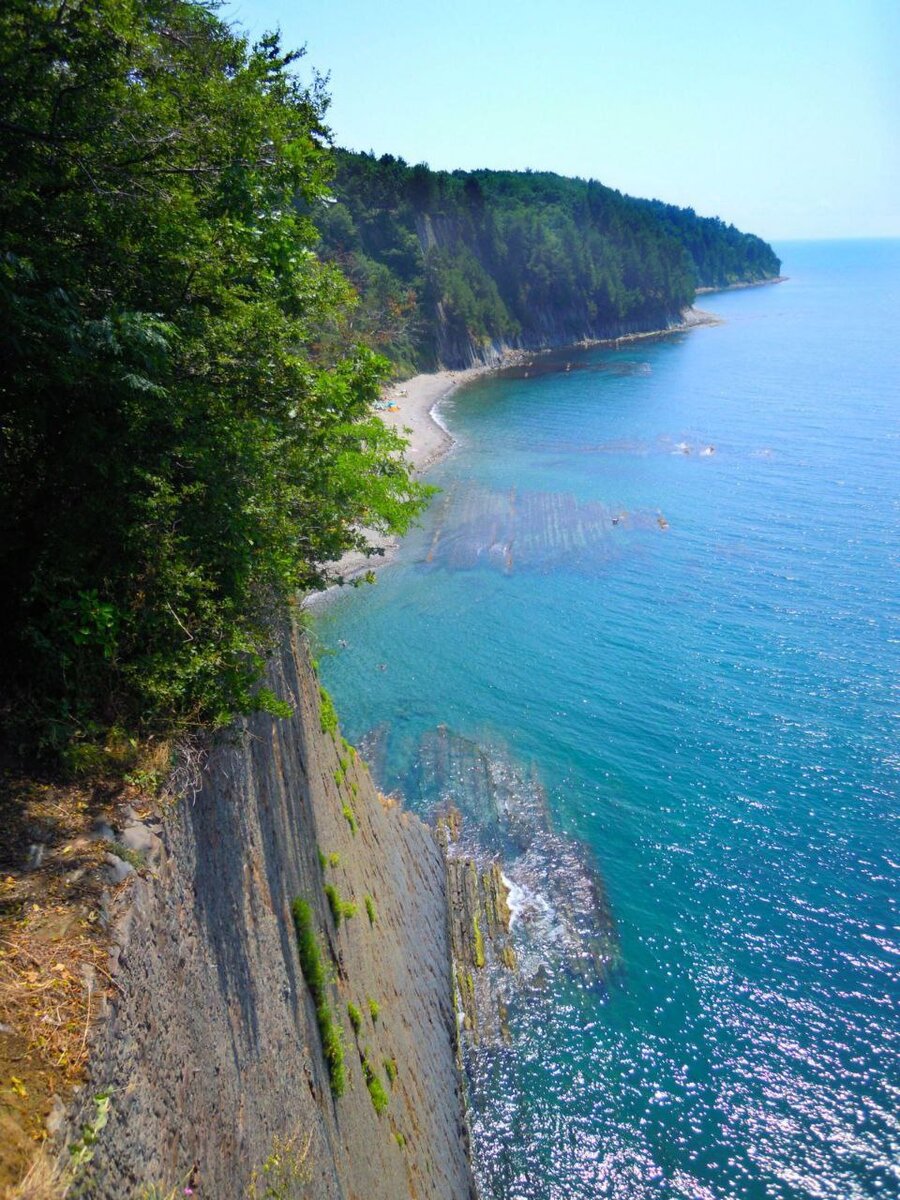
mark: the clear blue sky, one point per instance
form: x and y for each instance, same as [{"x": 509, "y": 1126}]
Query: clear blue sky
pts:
[{"x": 782, "y": 116}]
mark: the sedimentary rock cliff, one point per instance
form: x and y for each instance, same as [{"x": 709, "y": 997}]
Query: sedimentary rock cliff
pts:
[{"x": 211, "y": 1049}]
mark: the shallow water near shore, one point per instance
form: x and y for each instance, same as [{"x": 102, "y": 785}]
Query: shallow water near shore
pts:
[{"x": 664, "y": 580}]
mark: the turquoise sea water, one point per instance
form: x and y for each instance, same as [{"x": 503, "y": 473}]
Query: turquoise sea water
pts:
[{"x": 697, "y": 655}]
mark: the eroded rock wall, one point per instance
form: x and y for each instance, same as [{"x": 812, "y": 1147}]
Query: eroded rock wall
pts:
[{"x": 211, "y": 1049}]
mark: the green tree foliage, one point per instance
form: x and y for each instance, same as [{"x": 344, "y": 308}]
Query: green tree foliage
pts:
[
  {"x": 444, "y": 262},
  {"x": 186, "y": 438}
]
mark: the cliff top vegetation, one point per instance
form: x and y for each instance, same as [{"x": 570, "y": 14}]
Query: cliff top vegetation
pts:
[
  {"x": 185, "y": 418},
  {"x": 446, "y": 261}
]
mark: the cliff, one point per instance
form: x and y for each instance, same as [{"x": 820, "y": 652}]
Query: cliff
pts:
[
  {"x": 210, "y": 1049},
  {"x": 453, "y": 268}
]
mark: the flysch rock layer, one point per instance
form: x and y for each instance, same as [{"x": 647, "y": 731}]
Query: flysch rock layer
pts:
[{"x": 210, "y": 1049}]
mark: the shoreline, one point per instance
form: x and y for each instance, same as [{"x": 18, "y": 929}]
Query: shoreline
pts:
[
  {"x": 416, "y": 416},
  {"x": 738, "y": 287}
]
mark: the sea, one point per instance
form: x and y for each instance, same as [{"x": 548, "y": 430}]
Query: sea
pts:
[{"x": 656, "y": 602}]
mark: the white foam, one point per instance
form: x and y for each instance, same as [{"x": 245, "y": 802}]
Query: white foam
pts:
[
  {"x": 516, "y": 898},
  {"x": 435, "y": 413}
]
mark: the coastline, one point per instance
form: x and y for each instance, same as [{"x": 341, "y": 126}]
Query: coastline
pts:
[
  {"x": 415, "y": 403},
  {"x": 739, "y": 287}
]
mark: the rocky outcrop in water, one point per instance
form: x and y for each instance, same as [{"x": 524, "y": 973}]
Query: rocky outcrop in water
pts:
[{"x": 527, "y": 902}]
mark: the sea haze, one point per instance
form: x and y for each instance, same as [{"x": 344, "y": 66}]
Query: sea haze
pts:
[{"x": 662, "y": 581}]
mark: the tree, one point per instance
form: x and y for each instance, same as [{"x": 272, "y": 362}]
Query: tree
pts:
[{"x": 186, "y": 439}]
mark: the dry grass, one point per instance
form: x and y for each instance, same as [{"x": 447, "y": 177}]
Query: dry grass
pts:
[
  {"x": 44, "y": 1180},
  {"x": 51, "y": 968},
  {"x": 53, "y": 959}
]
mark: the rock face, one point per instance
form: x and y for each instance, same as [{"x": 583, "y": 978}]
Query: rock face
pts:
[
  {"x": 211, "y": 1050},
  {"x": 544, "y": 327}
]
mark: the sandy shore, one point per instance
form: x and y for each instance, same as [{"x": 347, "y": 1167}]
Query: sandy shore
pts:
[
  {"x": 413, "y": 413},
  {"x": 417, "y": 399}
]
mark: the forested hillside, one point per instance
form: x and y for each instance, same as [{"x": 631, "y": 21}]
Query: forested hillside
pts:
[{"x": 447, "y": 263}]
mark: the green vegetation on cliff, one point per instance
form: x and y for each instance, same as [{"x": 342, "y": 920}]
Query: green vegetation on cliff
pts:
[
  {"x": 185, "y": 421},
  {"x": 314, "y": 973},
  {"x": 445, "y": 262}
]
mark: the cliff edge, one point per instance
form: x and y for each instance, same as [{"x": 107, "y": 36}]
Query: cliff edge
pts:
[{"x": 211, "y": 1051}]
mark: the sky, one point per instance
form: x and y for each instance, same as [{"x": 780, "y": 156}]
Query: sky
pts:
[{"x": 782, "y": 116}]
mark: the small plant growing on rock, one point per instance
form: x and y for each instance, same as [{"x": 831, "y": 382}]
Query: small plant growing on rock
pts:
[
  {"x": 355, "y": 1018},
  {"x": 399, "y": 1139},
  {"x": 333, "y": 1049},
  {"x": 340, "y": 909},
  {"x": 313, "y": 969},
  {"x": 374, "y": 1008},
  {"x": 284, "y": 1172},
  {"x": 328, "y": 718},
  {"x": 350, "y": 818},
  {"x": 370, "y": 910},
  {"x": 390, "y": 1069},
  {"x": 379, "y": 1096}
]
